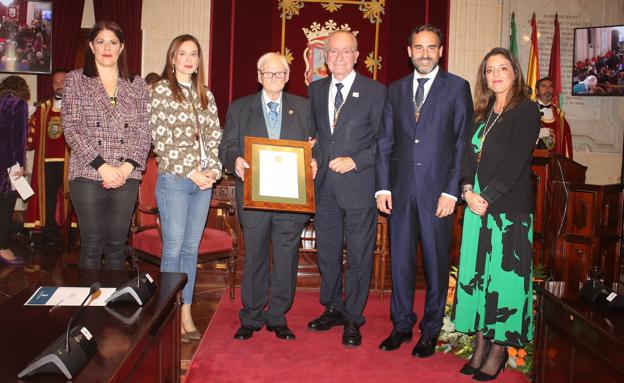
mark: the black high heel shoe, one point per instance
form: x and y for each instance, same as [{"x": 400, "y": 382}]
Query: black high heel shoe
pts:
[
  {"x": 483, "y": 377},
  {"x": 467, "y": 369}
]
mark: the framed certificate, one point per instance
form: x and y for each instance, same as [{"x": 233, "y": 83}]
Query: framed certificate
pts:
[{"x": 279, "y": 177}]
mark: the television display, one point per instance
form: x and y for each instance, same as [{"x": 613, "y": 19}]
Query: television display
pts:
[
  {"x": 598, "y": 61},
  {"x": 26, "y": 36}
]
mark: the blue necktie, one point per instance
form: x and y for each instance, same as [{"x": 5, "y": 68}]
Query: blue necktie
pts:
[
  {"x": 272, "y": 111},
  {"x": 338, "y": 100},
  {"x": 337, "y": 104}
]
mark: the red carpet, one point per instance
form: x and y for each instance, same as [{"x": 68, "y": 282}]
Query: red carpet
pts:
[{"x": 317, "y": 356}]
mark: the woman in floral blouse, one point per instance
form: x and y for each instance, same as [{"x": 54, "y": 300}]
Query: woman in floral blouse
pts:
[{"x": 186, "y": 135}]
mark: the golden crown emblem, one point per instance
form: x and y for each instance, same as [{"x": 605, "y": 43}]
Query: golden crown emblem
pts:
[{"x": 316, "y": 30}]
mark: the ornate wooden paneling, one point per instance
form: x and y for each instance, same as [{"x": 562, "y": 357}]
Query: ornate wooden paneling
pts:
[
  {"x": 576, "y": 342},
  {"x": 591, "y": 231}
]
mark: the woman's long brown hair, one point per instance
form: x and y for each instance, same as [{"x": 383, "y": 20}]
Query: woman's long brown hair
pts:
[
  {"x": 484, "y": 98},
  {"x": 197, "y": 78}
]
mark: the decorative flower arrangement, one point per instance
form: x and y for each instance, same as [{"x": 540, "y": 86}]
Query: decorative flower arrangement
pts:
[{"x": 462, "y": 344}]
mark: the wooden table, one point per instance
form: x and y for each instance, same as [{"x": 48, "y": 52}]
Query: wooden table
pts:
[
  {"x": 133, "y": 345},
  {"x": 577, "y": 342}
]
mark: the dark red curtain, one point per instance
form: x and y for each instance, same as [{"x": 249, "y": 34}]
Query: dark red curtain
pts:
[
  {"x": 66, "y": 21},
  {"x": 234, "y": 53},
  {"x": 126, "y": 13}
]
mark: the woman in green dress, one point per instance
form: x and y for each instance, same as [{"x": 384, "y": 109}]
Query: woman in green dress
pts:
[{"x": 494, "y": 290}]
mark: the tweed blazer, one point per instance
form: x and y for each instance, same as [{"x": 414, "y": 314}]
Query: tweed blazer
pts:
[{"x": 98, "y": 132}]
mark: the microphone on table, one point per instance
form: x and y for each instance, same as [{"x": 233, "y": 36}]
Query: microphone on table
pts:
[
  {"x": 69, "y": 352},
  {"x": 138, "y": 290},
  {"x": 95, "y": 287}
]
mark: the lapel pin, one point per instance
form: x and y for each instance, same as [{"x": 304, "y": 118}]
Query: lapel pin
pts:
[
  {"x": 291, "y": 112},
  {"x": 356, "y": 94}
]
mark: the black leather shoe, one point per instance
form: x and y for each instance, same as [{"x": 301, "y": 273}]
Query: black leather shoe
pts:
[
  {"x": 330, "y": 318},
  {"x": 425, "y": 347},
  {"x": 394, "y": 341},
  {"x": 282, "y": 331},
  {"x": 245, "y": 332},
  {"x": 351, "y": 335}
]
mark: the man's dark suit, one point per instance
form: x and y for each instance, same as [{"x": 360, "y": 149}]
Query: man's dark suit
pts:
[
  {"x": 417, "y": 162},
  {"x": 245, "y": 117},
  {"x": 345, "y": 204}
]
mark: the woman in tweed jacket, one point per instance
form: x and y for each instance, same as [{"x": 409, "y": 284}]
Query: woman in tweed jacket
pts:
[
  {"x": 105, "y": 120},
  {"x": 186, "y": 136}
]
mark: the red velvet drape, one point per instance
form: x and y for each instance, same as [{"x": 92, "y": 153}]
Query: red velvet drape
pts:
[
  {"x": 242, "y": 30},
  {"x": 126, "y": 13},
  {"x": 66, "y": 21}
]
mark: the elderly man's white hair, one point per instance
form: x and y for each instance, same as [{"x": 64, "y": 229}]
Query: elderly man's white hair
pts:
[{"x": 271, "y": 55}]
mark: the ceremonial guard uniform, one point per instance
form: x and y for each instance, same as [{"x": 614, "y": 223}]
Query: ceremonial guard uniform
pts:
[{"x": 45, "y": 136}]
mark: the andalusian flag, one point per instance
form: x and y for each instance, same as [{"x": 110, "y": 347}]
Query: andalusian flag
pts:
[
  {"x": 554, "y": 69},
  {"x": 513, "y": 43},
  {"x": 533, "y": 71}
]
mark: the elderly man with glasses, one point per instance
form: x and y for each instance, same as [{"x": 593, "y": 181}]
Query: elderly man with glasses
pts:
[{"x": 267, "y": 292}]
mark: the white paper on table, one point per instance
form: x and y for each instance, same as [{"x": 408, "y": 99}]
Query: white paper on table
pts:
[
  {"x": 278, "y": 174},
  {"x": 20, "y": 184},
  {"x": 68, "y": 296}
]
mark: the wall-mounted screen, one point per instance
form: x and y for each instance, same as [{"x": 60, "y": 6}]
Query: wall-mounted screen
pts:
[
  {"x": 25, "y": 36},
  {"x": 598, "y": 61}
]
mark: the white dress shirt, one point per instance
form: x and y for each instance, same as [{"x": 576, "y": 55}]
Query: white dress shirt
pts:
[
  {"x": 431, "y": 76},
  {"x": 347, "y": 82}
]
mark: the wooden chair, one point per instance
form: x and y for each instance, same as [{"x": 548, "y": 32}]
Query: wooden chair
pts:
[
  {"x": 307, "y": 249},
  {"x": 381, "y": 255},
  {"x": 217, "y": 243}
]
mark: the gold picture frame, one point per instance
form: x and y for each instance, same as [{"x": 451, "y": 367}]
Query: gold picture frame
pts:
[{"x": 279, "y": 177}]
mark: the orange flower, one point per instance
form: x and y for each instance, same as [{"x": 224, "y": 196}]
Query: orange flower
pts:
[
  {"x": 512, "y": 351},
  {"x": 452, "y": 281},
  {"x": 519, "y": 362},
  {"x": 521, "y": 353},
  {"x": 450, "y": 296}
]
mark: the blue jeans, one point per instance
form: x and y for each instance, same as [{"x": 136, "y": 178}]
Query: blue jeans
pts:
[{"x": 183, "y": 211}]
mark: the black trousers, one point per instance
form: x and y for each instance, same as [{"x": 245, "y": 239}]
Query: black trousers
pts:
[
  {"x": 104, "y": 217},
  {"x": 268, "y": 291},
  {"x": 7, "y": 205},
  {"x": 334, "y": 226},
  {"x": 53, "y": 180}
]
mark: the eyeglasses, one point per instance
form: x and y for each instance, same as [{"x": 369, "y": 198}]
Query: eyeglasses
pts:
[
  {"x": 270, "y": 75},
  {"x": 344, "y": 52}
]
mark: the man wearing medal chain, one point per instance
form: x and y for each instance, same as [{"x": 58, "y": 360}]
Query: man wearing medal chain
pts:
[
  {"x": 555, "y": 133},
  {"x": 45, "y": 137},
  {"x": 427, "y": 117},
  {"x": 347, "y": 112},
  {"x": 267, "y": 291}
]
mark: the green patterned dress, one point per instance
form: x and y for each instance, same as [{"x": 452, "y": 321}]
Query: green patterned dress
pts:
[{"x": 494, "y": 286}]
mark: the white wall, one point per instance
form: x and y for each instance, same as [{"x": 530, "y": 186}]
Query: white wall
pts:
[
  {"x": 163, "y": 20},
  {"x": 597, "y": 123}
]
